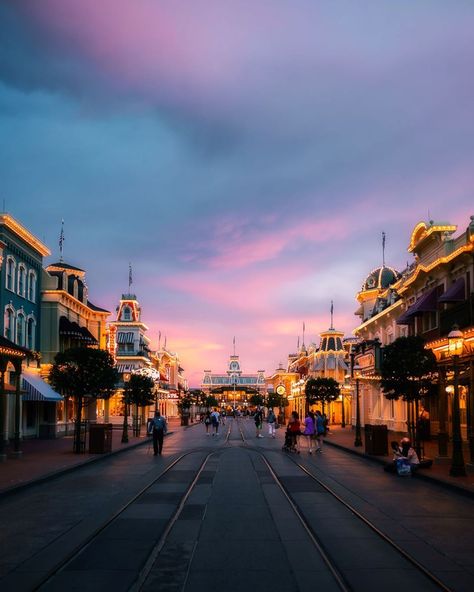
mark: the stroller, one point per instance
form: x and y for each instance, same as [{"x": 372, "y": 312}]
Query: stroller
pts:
[{"x": 290, "y": 442}]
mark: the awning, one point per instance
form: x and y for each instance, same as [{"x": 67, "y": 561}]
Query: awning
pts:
[
  {"x": 455, "y": 293},
  {"x": 88, "y": 335},
  {"x": 125, "y": 337},
  {"x": 38, "y": 390},
  {"x": 121, "y": 368},
  {"x": 69, "y": 329},
  {"x": 426, "y": 303}
]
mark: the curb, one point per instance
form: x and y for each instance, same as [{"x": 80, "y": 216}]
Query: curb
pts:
[
  {"x": 4, "y": 493},
  {"x": 457, "y": 488}
]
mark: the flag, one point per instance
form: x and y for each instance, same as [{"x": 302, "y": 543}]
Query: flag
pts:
[
  {"x": 332, "y": 307},
  {"x": 130, "y": 279}
]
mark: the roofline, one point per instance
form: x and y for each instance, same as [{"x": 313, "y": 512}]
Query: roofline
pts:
[
  {"x": 378, "y": 315},
  {"x": 25, "y": 234}
]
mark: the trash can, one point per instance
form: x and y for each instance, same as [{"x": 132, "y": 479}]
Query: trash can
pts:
[
  {"x": 100, "y": 438},
  {"x": 376, "y": 439}
]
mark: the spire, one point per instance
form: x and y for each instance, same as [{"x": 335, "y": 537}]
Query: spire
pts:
[
  {"x": 383, "y": 249},
  {"x": 233, "y": 342},
  {"x": 304, "y": 327},
  {"x": 159, "y": 340},
  {"x": 298, "y": 344},
  {"x": 61, "y": 241},
  {"x": 332, "y": 315}
]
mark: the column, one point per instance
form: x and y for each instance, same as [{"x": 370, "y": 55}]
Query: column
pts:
[
  {"x": 3, "y": 410},
  {"x": 443, "y": 416},
  {"x": 16, "y": 446},
  {"x": 470, "y": 414}
]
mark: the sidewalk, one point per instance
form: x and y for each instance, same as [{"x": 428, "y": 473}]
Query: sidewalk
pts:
[
  {"x": 439, "y": 472},
  {"x": 42, "y": 459}
]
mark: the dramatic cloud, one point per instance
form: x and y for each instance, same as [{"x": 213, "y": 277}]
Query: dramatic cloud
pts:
[{"x": 245, "y": 156}]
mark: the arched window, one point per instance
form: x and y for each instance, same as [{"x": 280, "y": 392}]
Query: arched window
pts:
[
  {"x": 21, "y": 280},
  {"x": 9, "y": 323},
  {"x": 20, "y": 329},
  {"x": 10, "y": 278},
  {"x": 75, "y": 289},
  {"x": 31, "y": 333},
  {"x": 32, "y": 285},
  {"x": 126, "y": 314}
]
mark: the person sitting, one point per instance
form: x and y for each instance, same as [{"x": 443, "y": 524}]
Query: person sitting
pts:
[{"x": 403, "y": 453}]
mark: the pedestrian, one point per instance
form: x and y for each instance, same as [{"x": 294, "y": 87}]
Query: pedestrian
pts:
[
  {"x": 320, "y": 430},
  {"x": 215, "y": 417},
  {"x": 271, "y": 420},
  {"x": 308, "y": 432},
  {"x": 223, "y": 416},
  {"x": 258, "y": 418},
  {"x": 159, "y": 430},
  {"x": 294, "y": 428},
  {"x": 207, "y": 422}
]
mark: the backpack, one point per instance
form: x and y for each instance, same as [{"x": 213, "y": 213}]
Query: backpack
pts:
[{"x": 403, "y": 467}]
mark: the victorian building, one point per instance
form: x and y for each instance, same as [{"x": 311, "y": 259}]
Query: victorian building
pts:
[
  {"x": 29, "y": 404},
  {"x": 128, "y": 344},
  {"x": 69, "y": 319},
  {"x": 234, "y": 388},
  {"x": 433, "y": 295}
]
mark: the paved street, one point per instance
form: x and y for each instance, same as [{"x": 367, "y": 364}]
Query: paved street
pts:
[{"x": 235, "y": 525}]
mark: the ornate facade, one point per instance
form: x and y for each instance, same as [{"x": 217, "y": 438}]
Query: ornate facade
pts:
[{"x": 234, "y": 388}]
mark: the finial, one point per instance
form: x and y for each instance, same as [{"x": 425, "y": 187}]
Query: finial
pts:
[
  {"x": 332, "y": 314},
  {"x": 304, "y": 327},
  {"x": 233, "y": 341}
]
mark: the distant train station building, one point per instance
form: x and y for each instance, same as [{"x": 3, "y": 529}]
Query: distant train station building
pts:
[{"x": 233, "y": 388}]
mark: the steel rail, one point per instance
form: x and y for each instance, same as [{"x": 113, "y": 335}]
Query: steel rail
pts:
[
  {"x": 375, "y": 529},
  {"x": 92, "y": 536},
  {"x": 146, "y": 569}
]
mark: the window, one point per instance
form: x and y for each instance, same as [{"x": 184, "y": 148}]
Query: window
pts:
[
  {"x": 30, "y": 333},
  {"x": 32, "y": 286},
  {"x": 11, "y": 266},
  {"x": 429, "y": 321},
  {"x": 126, "y": 313},
  {"x": 9, "y": 329},
  {"x": 21, "y": 280},
  {"x": 20, "y": 329}
]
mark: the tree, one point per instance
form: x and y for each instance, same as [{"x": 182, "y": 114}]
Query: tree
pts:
[
  {"x": 83, "y": 372},
  {"x": 408, "y": 371},
  {"x": 276, "y": 400},
  {"x": 256, "y": 399},
  {"x": 138, "y": 391},
  {"x": 321, "y": 390},
  {"x": 210, "y": 401}
]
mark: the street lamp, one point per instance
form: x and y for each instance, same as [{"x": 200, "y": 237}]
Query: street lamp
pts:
[
  {"x": 355, "y": 372},
  {"x": 455, "y": 348}
]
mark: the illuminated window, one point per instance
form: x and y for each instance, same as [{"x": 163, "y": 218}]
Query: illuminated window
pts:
[{"x": 9, "y": 320}]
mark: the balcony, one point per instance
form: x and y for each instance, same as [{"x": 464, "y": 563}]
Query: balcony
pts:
[{"x": 461, "y": 314}]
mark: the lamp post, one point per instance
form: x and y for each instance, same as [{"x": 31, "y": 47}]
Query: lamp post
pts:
[
  {"x": 355, "y": 373},
  {"x": 455, "y": 348},
  {"x": 126, "y": 378}
]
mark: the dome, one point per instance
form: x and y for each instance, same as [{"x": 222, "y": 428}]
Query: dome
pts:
[{"x": 380, "y": 279}]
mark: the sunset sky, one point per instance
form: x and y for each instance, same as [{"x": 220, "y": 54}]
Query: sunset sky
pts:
[{"x": 244, "y": 156}]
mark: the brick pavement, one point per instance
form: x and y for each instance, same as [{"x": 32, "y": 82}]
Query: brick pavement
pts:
[
  {"x": 344, "y": 438},
  {"x": 42, "y": 459}
]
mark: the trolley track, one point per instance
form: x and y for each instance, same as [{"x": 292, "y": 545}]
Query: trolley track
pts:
[
  {"x": 332, "y": 563},
  {"x": 47, "y": 581}
]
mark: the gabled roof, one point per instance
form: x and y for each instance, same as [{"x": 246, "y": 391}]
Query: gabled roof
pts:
[
  {"x": 97, "y": 308},
  {"x": 65, "y": 266}
]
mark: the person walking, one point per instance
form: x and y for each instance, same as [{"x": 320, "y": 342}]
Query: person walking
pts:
[
  {"x": 258, "y": 418},
  {"x": 207, "y": 422},
  {"x": 309, "y": 428},
  {"x": 159, "y": 430},
  {"x": 215, "y": 417},
  {"x": 271, "y": 420},
  {"x": 294, "y": 428},
  {"x": 320, "y": 431}
]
